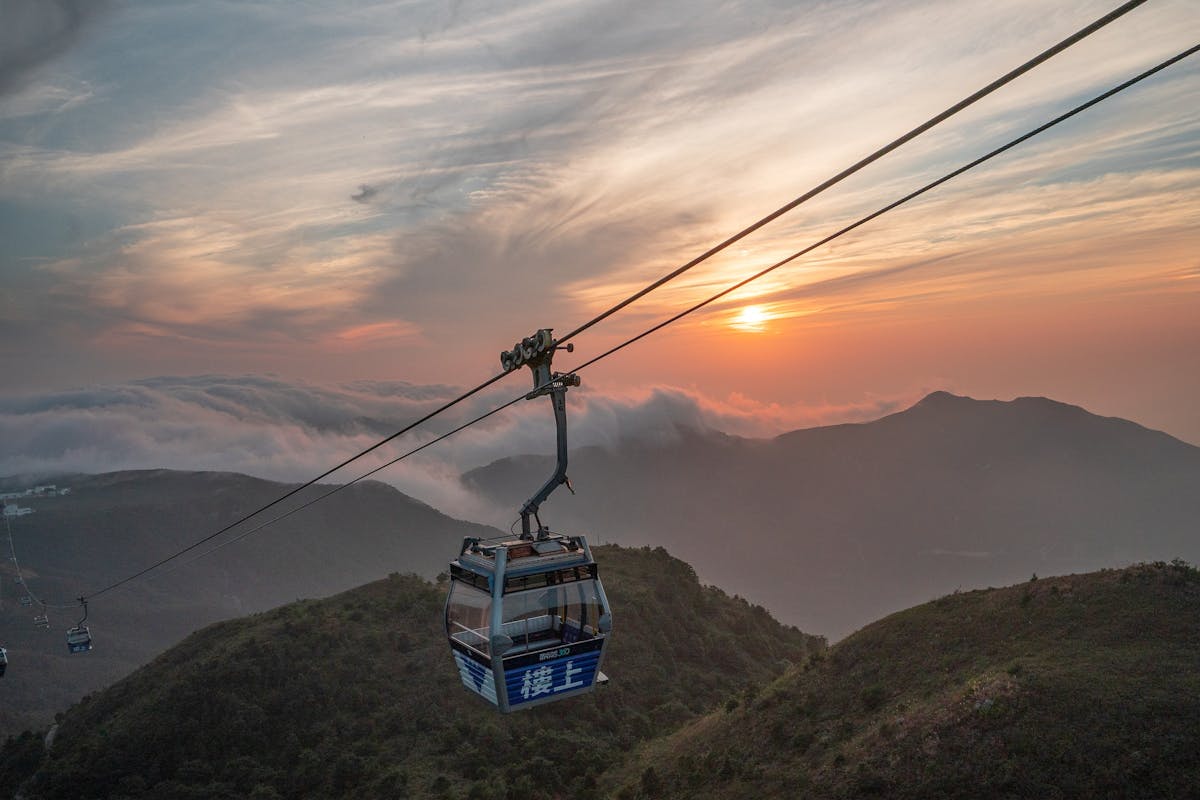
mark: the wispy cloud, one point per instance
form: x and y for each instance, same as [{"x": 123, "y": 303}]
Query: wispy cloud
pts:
[
  {"x": 313, "y": 184},
  {"x": 35, "y": 31}
]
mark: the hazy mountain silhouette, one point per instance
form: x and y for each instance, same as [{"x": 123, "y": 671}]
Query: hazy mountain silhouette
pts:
[
  {"x": 831, "y": 527},
  {"x": 113, "y": 524}
]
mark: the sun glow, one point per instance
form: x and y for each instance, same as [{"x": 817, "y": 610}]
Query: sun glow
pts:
[{"x": 752, "y": 319}]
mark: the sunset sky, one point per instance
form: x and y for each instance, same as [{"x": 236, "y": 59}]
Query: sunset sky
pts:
[{"x": 357, "y": 205}]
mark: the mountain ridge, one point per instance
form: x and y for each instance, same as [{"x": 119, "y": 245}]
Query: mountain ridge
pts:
[
  {"x": 112, "y": 524},
  {"x": 880, "y": 509},
  {"x": 1067, "y": 686}
]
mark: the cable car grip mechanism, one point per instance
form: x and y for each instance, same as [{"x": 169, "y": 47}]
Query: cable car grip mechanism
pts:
[{"x": 537, "y": 353}]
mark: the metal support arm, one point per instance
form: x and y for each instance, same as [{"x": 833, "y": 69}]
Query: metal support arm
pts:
[{"x": 537, "y": 352}]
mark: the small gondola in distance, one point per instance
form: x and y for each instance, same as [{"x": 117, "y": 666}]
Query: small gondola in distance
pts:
[{"x": 79, "y": 638}]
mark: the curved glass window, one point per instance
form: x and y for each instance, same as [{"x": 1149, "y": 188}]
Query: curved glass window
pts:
[
  {"x": 564, "y": 613},
  {"x": 468, "y": 610}
]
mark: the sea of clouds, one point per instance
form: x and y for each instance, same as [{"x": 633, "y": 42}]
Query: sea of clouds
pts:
[{"x": 292, "y": 431}]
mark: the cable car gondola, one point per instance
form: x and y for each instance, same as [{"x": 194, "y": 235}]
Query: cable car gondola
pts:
[
  {"x": 526, "y": 616},
  {"x": 3, "y": 661},
  {"x": 79, "y": 638}
]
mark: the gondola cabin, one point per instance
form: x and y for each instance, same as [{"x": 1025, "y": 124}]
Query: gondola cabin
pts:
[
  {"x": 527, "y": 620},
  {"x": 79, "y": 639},
  {"x": 3, "y": 661}
]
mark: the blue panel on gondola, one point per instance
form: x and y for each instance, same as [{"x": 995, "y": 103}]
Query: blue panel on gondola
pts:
[
  {"x": 550, "y": 678},
  {"x": 476, "y": 677}
]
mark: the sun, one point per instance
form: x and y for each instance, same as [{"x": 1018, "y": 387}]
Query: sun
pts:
[{"x": 752, "y": 319}]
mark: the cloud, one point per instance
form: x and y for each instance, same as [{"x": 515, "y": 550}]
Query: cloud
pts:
[
  {"x": 364, "y": 194},
  {"x": 35, "y": 31},
  {"x": 294, "y": 431},
  {"x": 1079, "y": 203},
  {"x": 196, "y": 282},
  {"x": 566, "y": 150},
  {"x": 529, "y": 165}
]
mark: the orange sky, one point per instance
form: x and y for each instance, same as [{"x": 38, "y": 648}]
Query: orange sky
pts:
[{"x": 399, "y": 194}]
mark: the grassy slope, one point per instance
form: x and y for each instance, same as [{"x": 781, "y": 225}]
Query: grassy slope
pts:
[
  {"x": 357, "y": 696},
  {"x": 116, "y": 521},
  {"x": 1079, "y": 686}
]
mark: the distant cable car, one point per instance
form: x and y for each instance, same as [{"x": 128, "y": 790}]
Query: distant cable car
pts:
[
  {"x": 79, "y": 638},
  {"x": 3, "y": 661},
  {"x": 526, "y": 617},
  {"x": 42, "y": 621},
  {"x": 26, "y": 600}
]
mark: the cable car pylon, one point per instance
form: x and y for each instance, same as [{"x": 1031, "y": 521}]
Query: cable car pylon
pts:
[{"x": 526, "y": 616}]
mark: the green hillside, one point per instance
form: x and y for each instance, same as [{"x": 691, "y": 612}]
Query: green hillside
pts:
[
  {"x": 113, "y": 523},
  {"x": 357, "y": 696},
  {"x": 1083, "y": 686}
]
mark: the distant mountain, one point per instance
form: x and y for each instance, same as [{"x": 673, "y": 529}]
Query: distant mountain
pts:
[
  {"x": 356, "y": 696},
  {"x": 1082, "y": 686},
  {"x": 832, "y": 527},
  {"x": 111, "y": 525}
]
